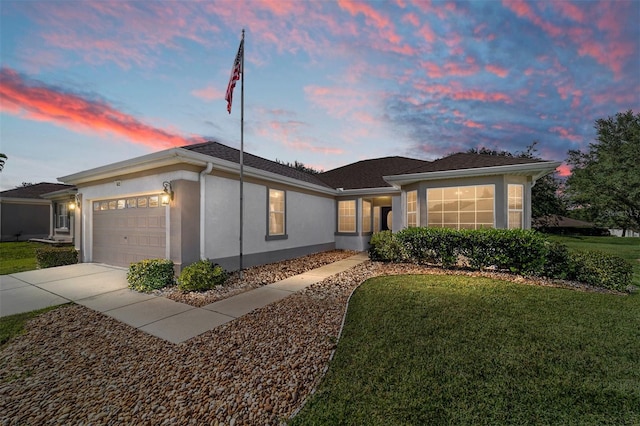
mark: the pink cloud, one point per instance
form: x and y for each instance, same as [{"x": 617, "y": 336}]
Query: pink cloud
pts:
[
  {"x": 473, "y": 124},
  {"x": 524, "y": 10},
  {"x": 564, "y": 170},
  {"x": 497, "y": 70},
  {"x": 38, "y": 102},
  {"x": 209, "y": 93},
  {"x": 411, "y": 18},
  {"x": 570, "y": 10},
  {"x": 455, "y": 91},
  {"x": 566, "y": 134}
]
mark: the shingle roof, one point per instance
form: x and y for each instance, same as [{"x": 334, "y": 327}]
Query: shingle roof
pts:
[
  {"x": 368, "y": 173},
  {"x": 461, "y": 161},
  {"x": 224, "y": 152},
  {"x": 34, "y": 191}
]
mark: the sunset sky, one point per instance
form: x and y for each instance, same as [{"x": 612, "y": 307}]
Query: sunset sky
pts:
[{"x": 327, "y": 83}]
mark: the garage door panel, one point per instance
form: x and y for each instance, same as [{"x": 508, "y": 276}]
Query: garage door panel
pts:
[{"x": 126, "y": 235}]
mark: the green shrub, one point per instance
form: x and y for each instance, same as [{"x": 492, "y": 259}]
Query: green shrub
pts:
[
  {"x": 385, "y": 247},
  {"x": 150, "y": 274},
  {"x": 201, "y": 275},
  {"x": 557, "y": 262},
  {"x": 430, "y": 245},
  {"x": 47, "y": 257},
  {"x": 601, "y": 269}
]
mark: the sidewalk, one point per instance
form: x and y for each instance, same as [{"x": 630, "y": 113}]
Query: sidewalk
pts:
[{"x": 104, "y": 289}]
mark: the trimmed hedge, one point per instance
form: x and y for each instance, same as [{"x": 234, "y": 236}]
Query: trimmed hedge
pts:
[
  {"x": 150, "y": 274},
  {"x": 201, "y": 275},
  {"x": 519, "y": 251},
  {"x": 601, "y": 269},
  {"x": 47, "y": 257}
]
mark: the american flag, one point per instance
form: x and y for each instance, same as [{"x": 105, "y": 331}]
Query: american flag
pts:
[{"x": 235, "y": 75}]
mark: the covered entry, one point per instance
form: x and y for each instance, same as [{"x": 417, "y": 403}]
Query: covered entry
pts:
[{"x": 127, "y": 230}]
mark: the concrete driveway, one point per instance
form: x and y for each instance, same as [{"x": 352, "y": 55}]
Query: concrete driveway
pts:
[{"x": 104, "y": 289}]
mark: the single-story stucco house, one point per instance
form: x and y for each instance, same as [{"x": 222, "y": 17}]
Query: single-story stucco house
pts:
[
  {"x": 183, "y": 203},
  {"x": 39, "y": 211}
]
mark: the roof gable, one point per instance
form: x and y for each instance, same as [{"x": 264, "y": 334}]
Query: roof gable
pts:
[
  {"x": 224, "y": 152},
  {"x": 34, "y": 191},
  {"x": 369, "y": 173}
]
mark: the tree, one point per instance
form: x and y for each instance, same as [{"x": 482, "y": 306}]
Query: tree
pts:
[
  {"x": 3, "y": 159},
  {"x": 547, "y": 194},
  {"x": 299, "y": 166},
  {"x": 605, "y": 180}
]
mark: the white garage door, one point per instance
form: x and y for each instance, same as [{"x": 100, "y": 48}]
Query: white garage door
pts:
[{"x": 127, "y": 230}]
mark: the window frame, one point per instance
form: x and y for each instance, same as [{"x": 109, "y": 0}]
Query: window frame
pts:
[
  {"x": 354, "y": 216},
  {"x": 64, "y": 215},
  {"x": 280, "y": 236},
  {"x": 515, "y": 209},
  {"x": 413, "y": 212},
  {"x": 367, "y": 217},
  {"x": 460, "y": 190}
]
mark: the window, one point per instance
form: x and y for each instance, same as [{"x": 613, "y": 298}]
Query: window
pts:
[
  {"x": 412, "y": 209},
  {"x": 469, "y": 207},
  {"x": 376, "y": 219},
  {"x": 276, "y": 212},
  {"x": 515, "y": 206},
  {"x": 347, "y": 216},
  {"x": 62, "y": 216},
  {"x": 366, "y": 216}
]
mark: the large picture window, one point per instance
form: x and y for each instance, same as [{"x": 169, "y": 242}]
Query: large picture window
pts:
[
  {"x": 461, "y": 207},
  {"x": 515, "y": 206},
  {"x": 276, "y": 212},
  {"x": 347, "y": 216},
  {"x": 412, "y": 209},
  {"x": 366, "y": 216}
]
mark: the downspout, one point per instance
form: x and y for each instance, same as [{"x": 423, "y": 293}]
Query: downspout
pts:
[{"x": 203, "y": 175}]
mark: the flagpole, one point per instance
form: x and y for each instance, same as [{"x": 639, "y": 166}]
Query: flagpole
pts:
[{"x": 241, "y": 152}]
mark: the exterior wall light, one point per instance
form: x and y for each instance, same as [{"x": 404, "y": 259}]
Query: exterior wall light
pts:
[{"x": 168, "y": 193}]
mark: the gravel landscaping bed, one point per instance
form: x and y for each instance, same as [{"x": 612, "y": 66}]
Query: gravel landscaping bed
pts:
[
  {"x": 76, "y": 366},
  {"x": 255, "y": 277}
]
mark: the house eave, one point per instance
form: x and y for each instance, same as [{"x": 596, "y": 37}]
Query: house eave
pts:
[
  {"x": 535, "y": 170},
  {"x": 181, "y": 156},
  {"x": 31, "y": 201},
  {"x": 383, "y": 191}
]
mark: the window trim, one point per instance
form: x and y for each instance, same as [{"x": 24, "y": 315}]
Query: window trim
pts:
[
  {"x": 275, "y": 237},
  {"x": 62, "y": 206},
  {"x": 475, "y": 186},
  {"x": 520, "y": 210},
  {"x": 355, "y": 217},
  {"x": 362, "y": 216},
  {"x": 417, "y": 221}
]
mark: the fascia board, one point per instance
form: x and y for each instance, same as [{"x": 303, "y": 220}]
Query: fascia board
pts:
[
  {"x": 181, "y": 156},
  {"x": 230, "y": 166},
  {"x": 30, "y": 201},
  {"x": 133, "y": 165},
  {"x": 60, "y": 193},
  {"x": 536, "y": 170},
  {"x": 369, "y": 192}
]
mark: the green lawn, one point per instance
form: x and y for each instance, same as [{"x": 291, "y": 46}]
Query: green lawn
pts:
[
  {"x": 457, "y": 350},
  {"x": 18, "y": 257},
  {"x": 627, "y": 248}
]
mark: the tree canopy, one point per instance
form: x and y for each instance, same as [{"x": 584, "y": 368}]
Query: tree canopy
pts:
[
  {"x": 605, "y": 180},
  {"x": 3, "y": 158}
]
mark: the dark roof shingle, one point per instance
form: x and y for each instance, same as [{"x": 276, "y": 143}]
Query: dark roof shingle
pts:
[
  {"x": 368, "y": 173},
  {"x": 224, "y": 152},
  {"x": 35, "y": 190}
]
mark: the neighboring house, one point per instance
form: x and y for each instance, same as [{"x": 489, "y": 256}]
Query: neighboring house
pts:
[
  {"x": 39, "y": 211},
  {"x": 183, "y": 203}
]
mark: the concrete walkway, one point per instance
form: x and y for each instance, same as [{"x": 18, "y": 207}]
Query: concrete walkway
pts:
[{"x": 104, "y": 289}]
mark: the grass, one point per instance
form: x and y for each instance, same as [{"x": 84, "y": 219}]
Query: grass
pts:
[
  {"x": 18, "y": 257},
  {"x": 626, "y": 248},
  {"x": 460, "y": 350},
  {"x": 13, "y": 325}
]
